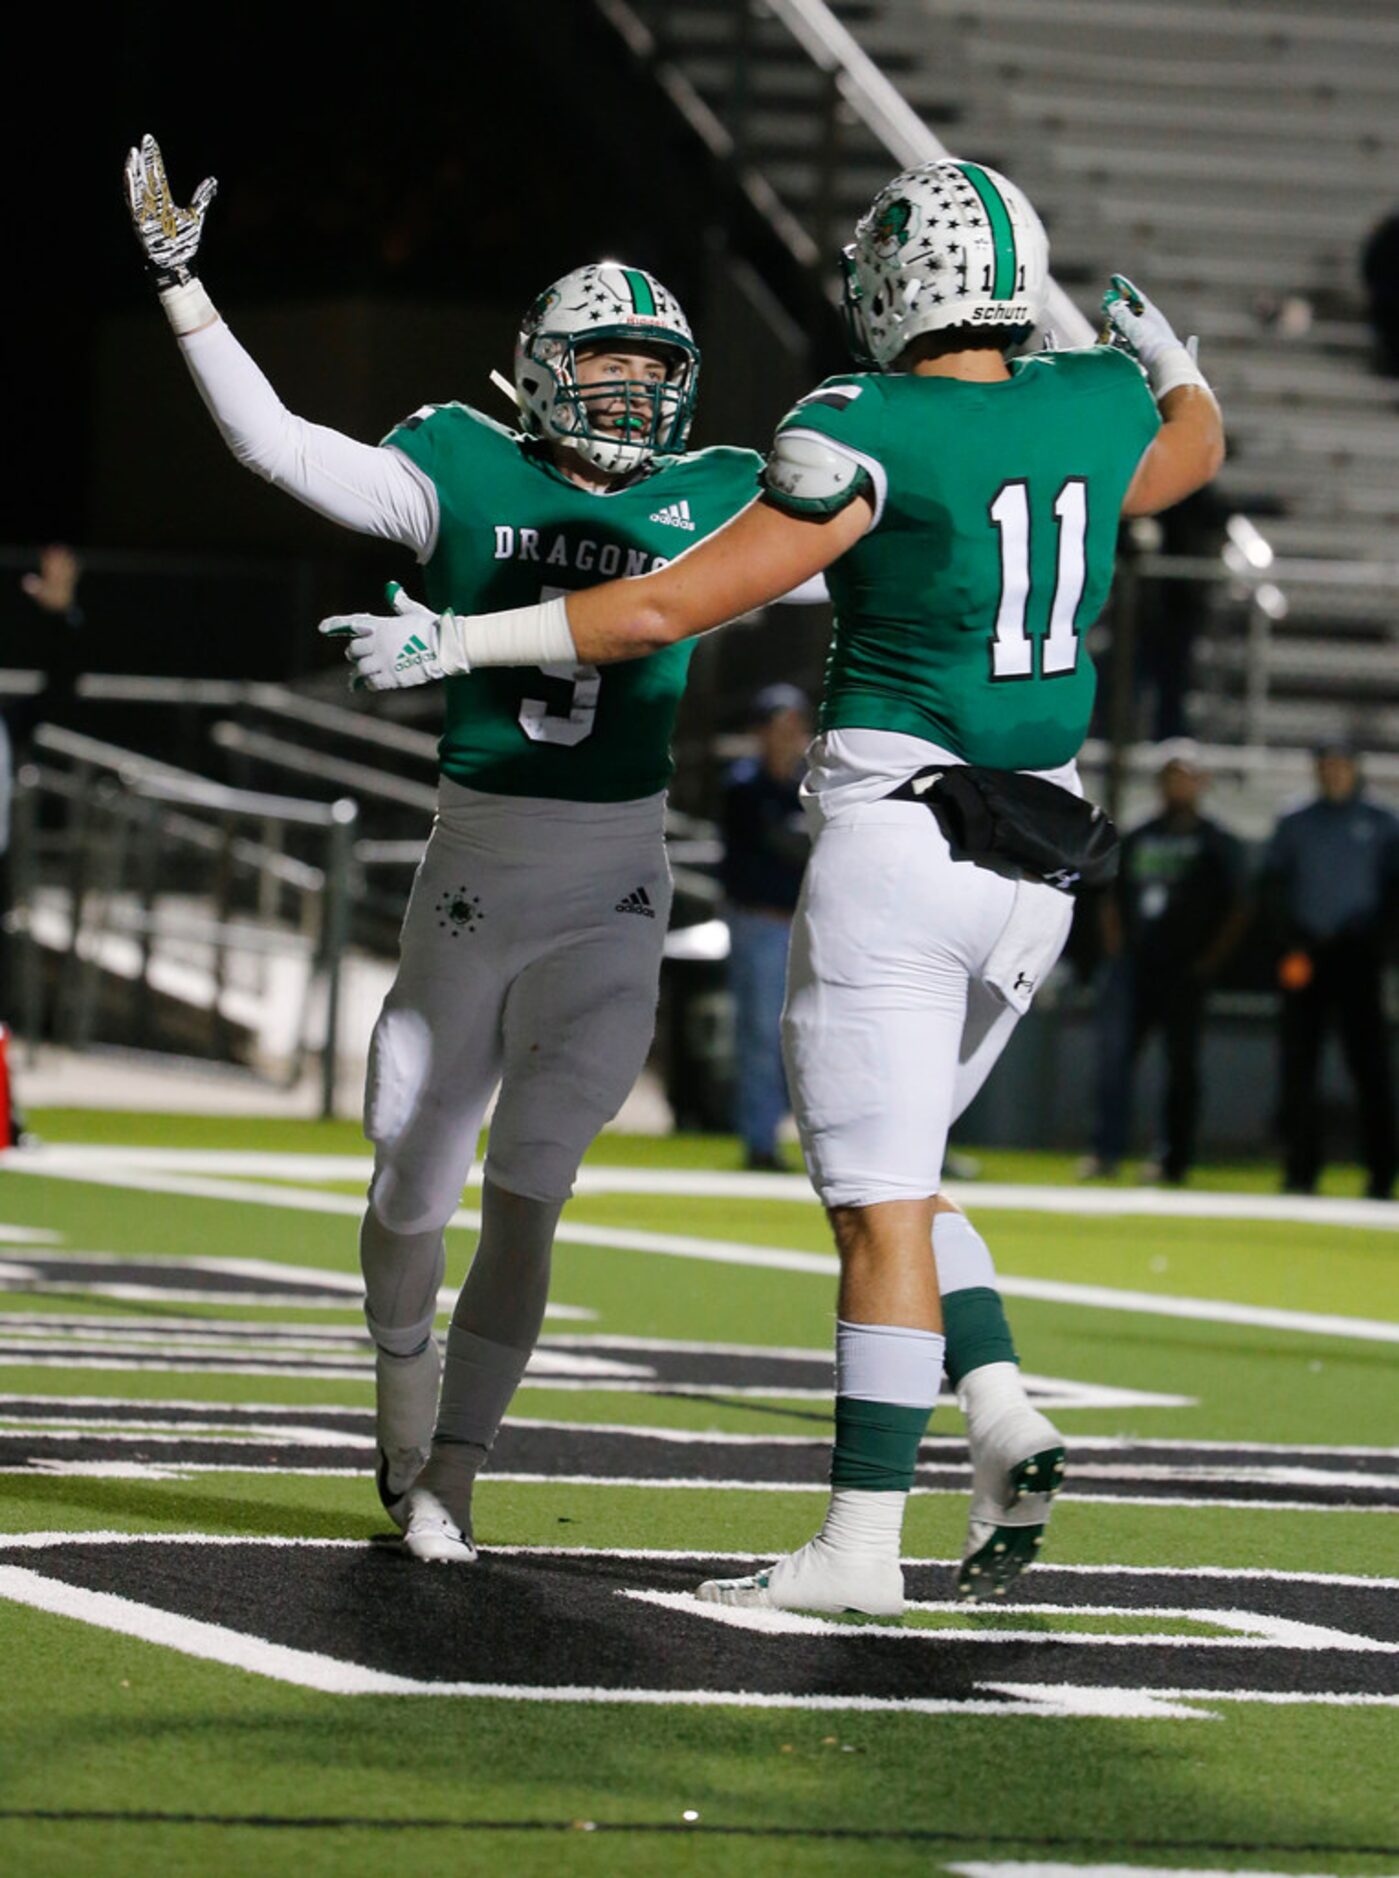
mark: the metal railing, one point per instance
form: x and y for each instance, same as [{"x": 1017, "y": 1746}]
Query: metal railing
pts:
[{"x": 128, "y": 865}]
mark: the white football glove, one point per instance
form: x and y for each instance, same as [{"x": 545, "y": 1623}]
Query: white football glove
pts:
[
  {"x": 1142, "y": 329},
  {"x": 390, "y": 652},
  {"x": 169, "y": 236}
]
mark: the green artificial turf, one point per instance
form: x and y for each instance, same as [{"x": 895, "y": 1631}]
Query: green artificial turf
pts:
[{"x": 144, "y": 1758}]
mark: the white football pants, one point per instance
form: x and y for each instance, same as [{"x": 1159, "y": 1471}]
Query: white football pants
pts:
[
  {"x": 889, "y": 1031},
  {"x": 530, "y": 956}
]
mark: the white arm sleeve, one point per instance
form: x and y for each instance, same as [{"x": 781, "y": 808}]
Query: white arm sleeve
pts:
[{"x": 360, "y": 485}]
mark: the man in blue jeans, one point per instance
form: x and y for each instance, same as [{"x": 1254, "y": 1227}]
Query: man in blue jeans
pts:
[{"x": 765, "y": 849}]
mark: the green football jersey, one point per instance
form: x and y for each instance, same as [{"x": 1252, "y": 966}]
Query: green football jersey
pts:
[
  {"x": 513, "y": 531},
  {"x": 960, "y": 615}
]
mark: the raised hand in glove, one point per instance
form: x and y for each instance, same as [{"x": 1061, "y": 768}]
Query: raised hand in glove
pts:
[
  {"x": 1142, "y": 329},
  {"x": 169, "y": 235},
  {"x": 390, "y": 652}
]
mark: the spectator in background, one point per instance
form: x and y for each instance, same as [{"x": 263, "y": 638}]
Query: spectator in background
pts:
[
  {"x": 1329, "y": 883},
  {"x": 11, "y": 1121},
  {"x": 1173, "y": 613},
  {"x": 765, "y": 849},
  {"x": 1379, "y": 263},
  {"x": 57, "y": 648},
  {"x": 1175, "y": 913},
  {"x": 53, "y": 648}
]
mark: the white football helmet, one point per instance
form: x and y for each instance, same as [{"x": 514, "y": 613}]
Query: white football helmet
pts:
[
  {"x": 946, "y": 244},
  {"x": 606, "y": 301}
]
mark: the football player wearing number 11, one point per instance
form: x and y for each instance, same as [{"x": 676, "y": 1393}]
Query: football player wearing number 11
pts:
[{"x": 965, "y": 509}]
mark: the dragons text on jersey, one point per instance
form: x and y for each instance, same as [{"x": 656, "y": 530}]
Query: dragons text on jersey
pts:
[
  {"x": 513, "y": 530},
  {"x": 603, "y": 560}
]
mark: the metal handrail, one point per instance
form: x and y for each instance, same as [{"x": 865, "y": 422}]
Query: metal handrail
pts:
[
  {"x": 150, "y": 777},
  {"x": 154, "y": 804},
  {"x": 328, "y": 769},
  {"x": 124, "y": 688},
  {"x": 18, "y": 682},
  {"x": 285, "y": 869},
  {"x": 402, "y": 739},
  {"x": 276, "y": 700}
]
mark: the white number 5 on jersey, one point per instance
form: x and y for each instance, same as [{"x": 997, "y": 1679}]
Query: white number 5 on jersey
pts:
[{"x": 540, "y": 724}]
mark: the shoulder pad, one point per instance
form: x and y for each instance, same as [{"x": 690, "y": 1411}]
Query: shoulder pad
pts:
[
  {"x": 838, "y": 393},
  {"x": 811, "y": 475}
]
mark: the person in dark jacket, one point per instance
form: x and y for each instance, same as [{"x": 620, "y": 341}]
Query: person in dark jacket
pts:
[
  {"x": 1175, "y": 914},
  {"x": 1330, "y": 878},
  {"x": 765, "y": 849}
]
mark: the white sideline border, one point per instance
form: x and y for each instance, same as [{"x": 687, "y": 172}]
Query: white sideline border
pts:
[
  {"x": 174, "y": 1470},
  {"x": 708, "y": 1183},
  {"x": 212, "y": 1411},
  {"x": 110, "y": 1168}
]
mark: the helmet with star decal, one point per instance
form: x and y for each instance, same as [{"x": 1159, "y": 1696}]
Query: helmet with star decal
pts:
[
  {"x": 617, "y": 424},
  {"x": 945, "y": 245}
]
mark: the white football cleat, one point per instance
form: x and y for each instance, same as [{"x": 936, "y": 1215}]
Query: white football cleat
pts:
[
  {"x": 430, "y": 1533},
  {"x": 816, "y": 1578},
  {"x": 1017, "y": 1458}
]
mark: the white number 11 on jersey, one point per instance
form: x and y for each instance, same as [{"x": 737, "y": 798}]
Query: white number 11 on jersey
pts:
[{"x": 1012, "y": 649}]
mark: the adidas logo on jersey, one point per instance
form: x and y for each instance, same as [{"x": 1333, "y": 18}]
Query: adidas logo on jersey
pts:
[
  {"x": 675, "y": 515},
  {"x": 639, "y": 901}
]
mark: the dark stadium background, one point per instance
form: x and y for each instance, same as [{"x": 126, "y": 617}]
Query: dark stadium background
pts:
[{"x": 394, "y": 185}]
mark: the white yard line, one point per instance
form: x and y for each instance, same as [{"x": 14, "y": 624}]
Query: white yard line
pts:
[
  {"x": 647, "y": 1483},
  {"x": 228, "y": 1414},
  {"x": 108, "y": 1168},
  {"x": 702, "y": 1183},
  {"x": 1250, "y": 1630}
]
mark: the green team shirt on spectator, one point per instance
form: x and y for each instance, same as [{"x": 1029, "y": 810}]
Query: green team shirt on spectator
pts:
[
  {"x": 961, "y": 614},
  {"x": 513, "y": 531}
]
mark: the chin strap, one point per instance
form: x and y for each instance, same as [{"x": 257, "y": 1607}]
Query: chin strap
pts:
[{"x": 506, "y": 389}]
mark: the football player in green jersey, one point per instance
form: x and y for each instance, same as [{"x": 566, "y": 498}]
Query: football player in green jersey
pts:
[
  {"x": 965, "y": 508},
  {"x": 532, "y": 944}
]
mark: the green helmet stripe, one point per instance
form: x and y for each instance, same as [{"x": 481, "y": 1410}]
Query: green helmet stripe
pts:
[
  {"x": 997, "y": 214},
  {"x": 642, "y": 299}
]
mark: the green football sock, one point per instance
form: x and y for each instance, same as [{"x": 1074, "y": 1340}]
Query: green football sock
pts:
[
  {"x": 977, "y": 1331},
  {"x": 876, "y": 1446}
]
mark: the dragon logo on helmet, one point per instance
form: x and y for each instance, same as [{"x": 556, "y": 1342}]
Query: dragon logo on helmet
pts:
[{"x": 894, "y": 227}]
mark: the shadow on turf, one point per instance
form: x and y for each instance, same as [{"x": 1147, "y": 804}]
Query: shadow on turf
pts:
[
  {"x": 174, "y": 1504},
  {"x": 910, "y": 1835}
]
